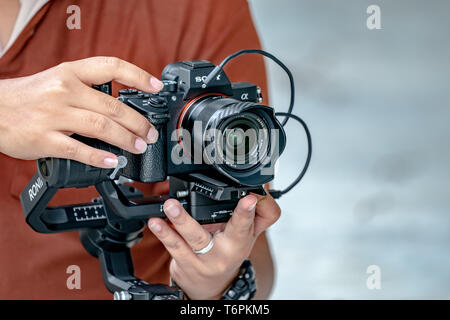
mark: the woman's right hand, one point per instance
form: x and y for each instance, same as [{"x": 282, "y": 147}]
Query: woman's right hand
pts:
[{"x": 38, "y": 113}]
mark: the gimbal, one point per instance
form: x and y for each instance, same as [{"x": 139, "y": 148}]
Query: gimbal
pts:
[{"x": 111, "y": 224}]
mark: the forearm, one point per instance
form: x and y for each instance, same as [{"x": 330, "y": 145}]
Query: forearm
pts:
[{"x": 262, "y": 262}]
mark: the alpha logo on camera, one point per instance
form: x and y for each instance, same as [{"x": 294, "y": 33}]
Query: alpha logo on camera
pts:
[{"x": 35, "y": 188}]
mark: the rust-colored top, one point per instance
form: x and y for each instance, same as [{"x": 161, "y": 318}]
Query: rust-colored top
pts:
[{"x": 150, "y": 34}]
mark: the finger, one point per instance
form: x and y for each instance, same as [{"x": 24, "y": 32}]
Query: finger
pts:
[
  {"x": 95, "y": 125},
  {"x": 59, "y": 145},
  {"x": 214, "y": 227},
  {"x": 191, "y": 231},
  {"x": 267, "y": 213},
  {"x": 175, "y": 245},
  {"x": 98, "y": 70},
  {"x": 116, "y": 110},
  {"x": 242, "y": 221}
]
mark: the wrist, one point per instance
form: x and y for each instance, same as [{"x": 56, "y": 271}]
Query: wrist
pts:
[
  {"x": 244, "y": 286},
  {"x": 216, "y": 294},
  {"x": 227, "y": 285}
]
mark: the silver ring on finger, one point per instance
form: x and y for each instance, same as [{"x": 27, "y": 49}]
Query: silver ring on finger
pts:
[{"x": 207, "y": 248}]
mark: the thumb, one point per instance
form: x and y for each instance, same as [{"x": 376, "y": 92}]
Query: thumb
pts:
[
  {"x": 240, "y": 226},
  {"x": 267, "y": 213}
]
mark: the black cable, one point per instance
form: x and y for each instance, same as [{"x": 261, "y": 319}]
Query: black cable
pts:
[
  {"x": 278, "y": 193},
  {"x": 218, "y": 68}
]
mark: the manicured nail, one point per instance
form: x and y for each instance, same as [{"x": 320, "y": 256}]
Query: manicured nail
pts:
[
  {"x": 155, "y": 227},
  {"x": 252, "y": 206},
  {"x": 110, "y": 162},
  {"x": 158, "y": 85},
  {"x": 140, "y": 145},
  {"x": 172, "y": 210},
  {"x": 152, "y": 135}
]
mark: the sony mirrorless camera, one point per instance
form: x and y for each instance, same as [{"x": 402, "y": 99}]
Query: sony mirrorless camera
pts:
[{"x": 220, "y": 131}]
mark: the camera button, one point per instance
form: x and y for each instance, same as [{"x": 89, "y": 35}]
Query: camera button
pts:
[
  {"x": 157, "y": 102},
  {"x": 127, "y": 92},
  {"x": 158, "y": 116},
  {"x": 169, "y": 86}
]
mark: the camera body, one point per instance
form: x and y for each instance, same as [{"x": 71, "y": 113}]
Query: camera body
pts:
[{"x": 185, "y": 110}]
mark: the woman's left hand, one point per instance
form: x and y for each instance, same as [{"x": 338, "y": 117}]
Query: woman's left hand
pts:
[{"x": 206, "y": 276}]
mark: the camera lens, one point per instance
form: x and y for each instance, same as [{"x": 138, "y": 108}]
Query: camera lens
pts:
[
  {"x": 235, "y": 137},
  {"x": 244, "y": 142}
]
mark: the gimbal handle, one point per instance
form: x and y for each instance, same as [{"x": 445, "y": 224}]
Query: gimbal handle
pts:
[{"x": 111, "y": 245}]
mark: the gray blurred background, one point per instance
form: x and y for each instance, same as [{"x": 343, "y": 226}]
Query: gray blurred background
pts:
[{"x": 377, "y": 192}]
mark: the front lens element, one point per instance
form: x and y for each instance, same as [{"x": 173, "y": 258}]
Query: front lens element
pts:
[{"x": 245, "y": 141}]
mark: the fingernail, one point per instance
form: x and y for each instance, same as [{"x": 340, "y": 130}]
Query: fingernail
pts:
[
  {"x": 140, "y": 145},
  {"x": 110, "y": 162},
  {"x": 252, "y": 206},
  {"x": 155, "y": 227},
  {"x": 158, "y": 85},
  {"x": 152, "y": 135},
  {"x": 172, "y": 210}
]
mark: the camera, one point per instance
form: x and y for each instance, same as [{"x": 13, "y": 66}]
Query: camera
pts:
[{"x": 220, "y": 130}]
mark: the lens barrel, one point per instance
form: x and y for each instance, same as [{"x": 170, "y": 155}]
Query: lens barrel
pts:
[{"x": 241, "y": 140}]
